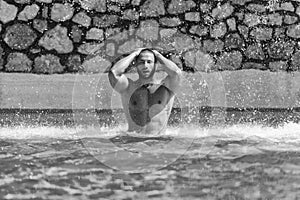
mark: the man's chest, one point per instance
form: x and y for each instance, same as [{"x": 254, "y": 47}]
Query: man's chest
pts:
[{"x": 145, "y": 97}]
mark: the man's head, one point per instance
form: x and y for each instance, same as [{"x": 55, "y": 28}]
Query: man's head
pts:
[{"x": 146, "y": 63}]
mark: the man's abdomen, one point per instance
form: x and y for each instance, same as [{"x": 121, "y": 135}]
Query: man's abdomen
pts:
[{"x": 148, "y": 110}]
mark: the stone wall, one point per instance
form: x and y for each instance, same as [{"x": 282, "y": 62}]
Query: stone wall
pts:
[{"x": 56, "y": 36}]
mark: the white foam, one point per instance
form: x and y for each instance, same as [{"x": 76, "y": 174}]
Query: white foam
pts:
[
  {"x": 288, "y": 133},
  {"x": 21, "y": 132}
]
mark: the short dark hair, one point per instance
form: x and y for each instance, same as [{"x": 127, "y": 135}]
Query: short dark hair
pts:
[{"x": 147, "y": 50}]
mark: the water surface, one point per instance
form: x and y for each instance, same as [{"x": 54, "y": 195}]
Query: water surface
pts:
[{"x": 235, "y": 161}]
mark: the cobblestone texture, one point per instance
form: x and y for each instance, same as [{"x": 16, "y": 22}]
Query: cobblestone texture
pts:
[
  {"x": 148, "y": 30},
  {"x": 45, "y": 1},
  {"x": 180, "y": 6},
  {"x": 19, "y": 36},
  {"x": 261, "y": 34},
  {"x": 45, "y": 12},
  {"x": 110, "y": 49},
  {"x": 192, "y": 16},
  {"x": 57, "y": 39},
  {"x": 90, "y": 48},
  {"x": 223, "y": 11},
  {"x": 82, "y": 19},
  {"x": 255, "y": 52},
  {"x": 40, "y": 25},
  {"x": 199, "y": 30},
  {"x": 183, "y": 43},
  {"x": 213, "y": 46},
  {"x": 130, "y": 46},
  {"x": 76, "y": 33},
  {"x": 61, "y": 12},
  {"x": 170, "y": 21},
  {"x": 201, "y": 35},
  {"x": 153, "y": 8},
  {"x": 105, "y": 21},
  {"x": 278, "y": 66},
  {"x": 281, "y": 49},
  {"x": 199, "y": 60},
  {"x": 29, "y": 12},
  {"x": 8, "y": 12},
  {"x": 231, "y": 22},
  {"x": 289, "y": 19},
  {"x": 294, "y": 31},
  {"x": 132, "y": 15},
  {"x": 74, "y": 63},
  {"x": 18, "y": 62},
  {"x": 218, "y": 30},
  {"x": 233, "y": 41},
  {"x": 98, "y": 5},
  {"x": 22, "y": 1},
  {"x": 230, "y": 61},
  {"x": 48, "y": 64},
  {"x": 95, "y": 34}
]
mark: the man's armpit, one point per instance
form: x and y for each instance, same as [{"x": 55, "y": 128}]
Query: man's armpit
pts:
[{"x": 112, "y": 79}]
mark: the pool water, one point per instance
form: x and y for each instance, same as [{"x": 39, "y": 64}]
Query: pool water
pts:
[{"x": 234, "y": 161}]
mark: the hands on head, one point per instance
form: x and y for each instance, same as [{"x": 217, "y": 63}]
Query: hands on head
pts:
[
  {"x": 156, "y": 53},
  {"x": 137, "y": 51}
]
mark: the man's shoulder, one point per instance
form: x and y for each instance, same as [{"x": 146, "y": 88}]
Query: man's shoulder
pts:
[{"x": 131, "y": 86}]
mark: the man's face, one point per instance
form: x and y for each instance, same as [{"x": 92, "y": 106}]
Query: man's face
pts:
[{"x": 145, "y": 64}]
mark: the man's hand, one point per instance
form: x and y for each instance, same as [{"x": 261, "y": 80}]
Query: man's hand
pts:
[
  {"x": 158, "y": 57},
  {"x": 156, "y": 53},
  {"x": 137, "y": 51}
]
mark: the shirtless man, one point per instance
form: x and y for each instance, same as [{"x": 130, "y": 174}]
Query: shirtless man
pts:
[{"x": 147, "y": 102}]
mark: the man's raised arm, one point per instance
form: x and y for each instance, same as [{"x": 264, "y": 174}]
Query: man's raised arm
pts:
[
  {"x": 116, "y": 75},
  {"x": 173, "y": 79}
]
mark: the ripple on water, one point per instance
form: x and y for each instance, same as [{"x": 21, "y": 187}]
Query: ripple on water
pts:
[{"x": 238, "y": 161}]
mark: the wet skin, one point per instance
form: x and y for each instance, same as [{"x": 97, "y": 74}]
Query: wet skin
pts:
[
  {"x": 147, "y": 108},
  {"x": 148, "y": 101}
]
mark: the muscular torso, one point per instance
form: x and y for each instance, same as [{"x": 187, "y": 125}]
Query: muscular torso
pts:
[{"x": 147, "y": 108}]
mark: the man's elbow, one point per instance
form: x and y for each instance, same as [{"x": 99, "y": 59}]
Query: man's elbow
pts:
[{"x": 178, "y": 74}]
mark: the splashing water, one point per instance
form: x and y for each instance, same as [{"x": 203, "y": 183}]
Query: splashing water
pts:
[
  {"x": 236, "y": 161},
  {"x": 289, "y": 132}
]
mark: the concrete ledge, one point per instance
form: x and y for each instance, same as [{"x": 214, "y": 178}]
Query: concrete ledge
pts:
[{"x": 231, "y": 89}]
